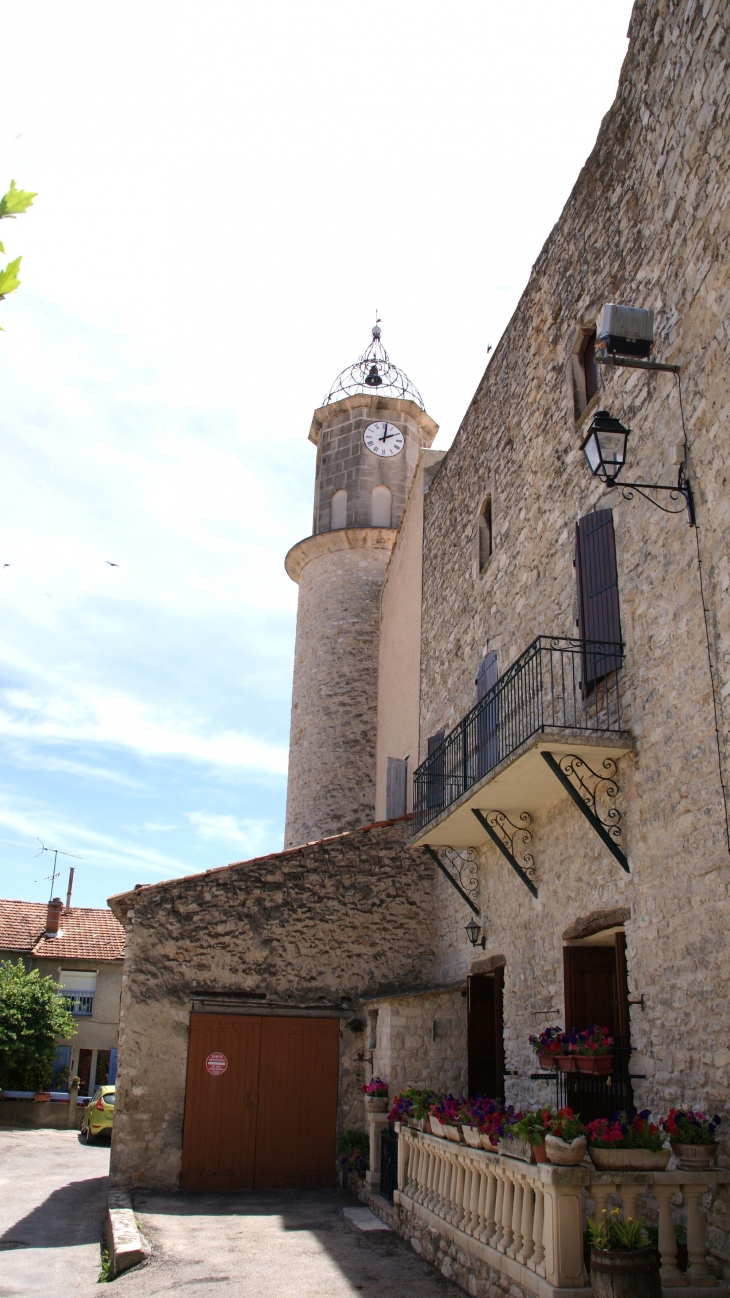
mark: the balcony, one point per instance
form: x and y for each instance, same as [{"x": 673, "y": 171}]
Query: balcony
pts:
[
  {"x": 560, "y": 696},
  {"x": 80, "y": 1004}
]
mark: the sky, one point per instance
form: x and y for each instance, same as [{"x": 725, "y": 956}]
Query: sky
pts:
[{"x": 227, "y": 193}]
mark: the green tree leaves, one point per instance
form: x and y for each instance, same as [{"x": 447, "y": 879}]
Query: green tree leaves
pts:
[
  {"x": 12, "y": 204},
  {"x": 33, "y": 1016}
]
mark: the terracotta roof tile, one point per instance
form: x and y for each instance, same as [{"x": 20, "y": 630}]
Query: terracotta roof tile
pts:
[{"x": 86, "y": 933}]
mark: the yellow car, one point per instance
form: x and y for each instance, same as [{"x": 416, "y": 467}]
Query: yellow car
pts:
[{"x": 98, "y": 1114}]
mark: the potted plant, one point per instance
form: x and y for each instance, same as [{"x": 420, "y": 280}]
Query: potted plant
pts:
[
  {"x": 525, "y": 1136},
  {"x": 436, "y": 1115},
  {"x": 450, "y": 1119},
  {"x": 565, "y": 1142},
  {"x": 470, "y": 1113},
  {"x": 593, "y": 1052},
  {"x": 627, "y": 1142},
  {"x": 623, "y": 1260},
  {"x": 411, "y": 1108},
  {"x": 376, "y": 1095},
  {"x": 353, "y": 1152},
  {"x": 692, "y": 1138},
  {"x": 547, "y": 1046}
]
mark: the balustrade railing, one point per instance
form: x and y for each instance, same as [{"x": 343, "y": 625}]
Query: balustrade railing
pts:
[
  {"x": 526, "y": 1220},
  {"x": 543, "y": 689}
]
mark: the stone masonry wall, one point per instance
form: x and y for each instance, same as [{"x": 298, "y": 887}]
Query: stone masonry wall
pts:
[
  {"x": 344, "y": 461},
  {"x": 323, "y": 926},
  {"x": 421, "y": 1041},
  {"x": 648, "y": 223}
]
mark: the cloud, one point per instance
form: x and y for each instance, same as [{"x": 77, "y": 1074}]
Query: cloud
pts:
[
  {"x": 93, "y": 848},
  {"x": 98, "y": 717},
  {"x": 248, "y": 835}
]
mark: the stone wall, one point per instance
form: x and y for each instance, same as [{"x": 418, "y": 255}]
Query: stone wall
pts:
[
  {"x": 321, "y": 927},
  {"x": 421, "y": 1040},
  {"x": 647, "y": 224}
]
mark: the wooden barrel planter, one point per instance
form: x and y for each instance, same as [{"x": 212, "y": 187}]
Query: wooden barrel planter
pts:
[{"x": 625, "y": 1274}]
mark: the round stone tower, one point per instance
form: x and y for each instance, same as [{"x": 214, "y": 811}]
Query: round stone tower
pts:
[{"x": 369, "y": 434}]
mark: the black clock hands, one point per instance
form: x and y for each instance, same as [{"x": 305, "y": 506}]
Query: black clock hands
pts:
[{"x": 386, "y": 433}]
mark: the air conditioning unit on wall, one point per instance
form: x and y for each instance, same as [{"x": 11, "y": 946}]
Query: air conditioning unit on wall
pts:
[{"x": 625, "y": 330}]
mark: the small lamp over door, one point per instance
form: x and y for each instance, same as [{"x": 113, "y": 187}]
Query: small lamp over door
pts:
[
  {"x": 605, "y": 447},
  {"x": 473, "y": 929}
]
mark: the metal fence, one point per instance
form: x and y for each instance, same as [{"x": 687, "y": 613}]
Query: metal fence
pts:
[
  {"x": 79, "y": 1003},
  {"x": 544, "y": 688},
  {"x": 593, "y": 1095}
]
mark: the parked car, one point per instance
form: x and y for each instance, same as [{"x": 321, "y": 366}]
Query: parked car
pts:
[{"x": 99, "y": 1114}]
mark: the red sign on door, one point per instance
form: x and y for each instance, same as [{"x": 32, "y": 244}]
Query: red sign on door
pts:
[{"x": 216, "y": 1063}]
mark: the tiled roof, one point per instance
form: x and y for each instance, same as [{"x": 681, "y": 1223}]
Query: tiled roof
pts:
[{"x": 85, "y": 933}]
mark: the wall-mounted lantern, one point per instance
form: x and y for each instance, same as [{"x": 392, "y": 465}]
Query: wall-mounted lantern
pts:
[
  {"x": 605, "y": 450},
  {"x": 473, "y": 929}
]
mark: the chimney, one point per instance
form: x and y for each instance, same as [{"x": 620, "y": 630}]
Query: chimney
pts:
[{"x": 53, "y": 918}]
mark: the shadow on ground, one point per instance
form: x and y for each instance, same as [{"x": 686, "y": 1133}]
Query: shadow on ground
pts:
[{"x": 69, "y": 1216}]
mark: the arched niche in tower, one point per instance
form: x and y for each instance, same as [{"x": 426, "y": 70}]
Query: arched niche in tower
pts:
[
  {"x": 338, "y": 510},
  {"x": 381, "y": 510}
]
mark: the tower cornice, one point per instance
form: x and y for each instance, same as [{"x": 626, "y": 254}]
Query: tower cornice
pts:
[
  {"x": 342, "y": 538},
  {"x": 371, "y": 401}
]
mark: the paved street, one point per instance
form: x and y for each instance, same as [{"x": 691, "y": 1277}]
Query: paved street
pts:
[
  {"x": 274, "y": 1245},
  {"x": 52, "y": 1204},
  {"x": 321, "y": 1244}
]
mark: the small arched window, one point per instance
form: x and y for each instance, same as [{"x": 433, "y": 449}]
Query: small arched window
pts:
[
  {"x": 382, "y": 507},
  {"x": 338, "y": 510},
  {"x": 485, "y": 533}
]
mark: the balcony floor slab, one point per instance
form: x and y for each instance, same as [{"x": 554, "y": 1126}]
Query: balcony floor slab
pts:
[{"x": 521, "y": 782}]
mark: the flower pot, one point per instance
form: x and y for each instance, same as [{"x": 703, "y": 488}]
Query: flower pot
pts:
[
  {"x": 547, "y": 1063},
  {"x": 594, "y": 1063},
  {"x": 437, "y": 1127},
  {"x": 693, "y": 1158},
  {"x": 625, "y": 1272},
  {"x": 627, "y": 1160},
  {"x": 453, "y": 1133},
  {"x": 376, "y": 1103},
  {"x": 487, "y": 1142},
  {"x": 565, "y": 1153},
  {"x": 567, "y": 1063},
  {"x": 515, "y": 1148},
  {"x": 540, "y": 1153},
  {"x": 419, "y": 1124},
  {"x": 40, "y": 1096},
  {"x": 471, "y": 1136}
]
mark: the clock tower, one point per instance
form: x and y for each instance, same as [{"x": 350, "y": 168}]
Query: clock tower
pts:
[{"x": 369, "y": 432}]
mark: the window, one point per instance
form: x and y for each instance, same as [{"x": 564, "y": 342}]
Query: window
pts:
[
  {"x": 78, "y": 987},
  {"x": 598, "y": 608},
  {"x": 396, "y": 786},
  {"x": 485, "y": 533},
  {"x": 382, "y": 507},
  {"x": 338, "y": 510},
  {"x": 585, "y": 370}
]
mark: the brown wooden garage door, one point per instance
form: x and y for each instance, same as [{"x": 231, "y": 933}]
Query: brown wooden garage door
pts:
[{"x": 265, "y": 1121}]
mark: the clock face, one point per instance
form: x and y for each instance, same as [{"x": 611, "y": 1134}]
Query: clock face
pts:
[{"x": 384, "y": 439}]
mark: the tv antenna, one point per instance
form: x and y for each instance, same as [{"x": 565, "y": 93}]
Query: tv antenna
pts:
[{"x": 56, "y": 853}]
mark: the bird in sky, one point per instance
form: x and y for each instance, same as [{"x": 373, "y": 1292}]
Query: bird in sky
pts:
[
  {"x": 111, "y": 565},
  {"x": 7, "y": 565}
]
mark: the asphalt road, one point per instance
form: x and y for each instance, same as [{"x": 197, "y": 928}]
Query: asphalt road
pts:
[
  {"x": 52, "y": 1206},
  {"x": 320, "y": 1244}
]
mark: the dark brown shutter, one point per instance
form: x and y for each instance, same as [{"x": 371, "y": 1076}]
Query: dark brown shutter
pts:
[
  {"x": 486, "y": 676},
  {"x": 434, "y": 741},
  {"x": 599, "y": 619},
  {"x": 623, "y": 1031}
]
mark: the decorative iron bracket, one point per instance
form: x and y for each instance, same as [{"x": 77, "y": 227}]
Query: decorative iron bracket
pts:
[
  {"x": 583, "y": 784},
  {"x": 463, "y": 883},
  {"x": 498, "y": 826},
  {"x": 682, "y": 489}
]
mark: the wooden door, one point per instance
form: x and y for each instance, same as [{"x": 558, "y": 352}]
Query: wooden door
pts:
[
  {"x": 268, "y": 1121},
  {"x": 297, "y": 1112},
  {"x": 590, "y": 987},
  {"x": 485, "y": 1034},
  {"x": 219, "y": 1132}
]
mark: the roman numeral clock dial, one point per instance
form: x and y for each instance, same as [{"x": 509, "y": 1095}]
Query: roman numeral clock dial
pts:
[{"x": 384, "y": 439}]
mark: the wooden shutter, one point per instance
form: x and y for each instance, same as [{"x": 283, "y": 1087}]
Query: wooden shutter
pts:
[
  {"x": 434, "y": 741},
  {"x": 590, "y": 987},
  {"x": 623, "y": 1033},
  {"x": 395, "y": 787},
  {"x": 598, "y": 609},
  {"x": 486, "y": 676},
  {"x": 485, "y": 1034}
]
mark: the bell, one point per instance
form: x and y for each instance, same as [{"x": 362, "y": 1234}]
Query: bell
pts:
[{"x": 373, "y": 379}]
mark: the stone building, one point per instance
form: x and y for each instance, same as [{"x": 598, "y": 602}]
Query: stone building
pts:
[{"x": 551, "y": 652}]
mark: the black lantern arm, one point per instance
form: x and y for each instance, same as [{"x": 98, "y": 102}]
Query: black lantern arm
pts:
[{"x": 682, "y": 489}]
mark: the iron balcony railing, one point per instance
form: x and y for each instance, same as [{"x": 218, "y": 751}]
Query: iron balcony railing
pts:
[
  {"x": 79, "y": 1003},
  {"x": 545, "y": 688}
]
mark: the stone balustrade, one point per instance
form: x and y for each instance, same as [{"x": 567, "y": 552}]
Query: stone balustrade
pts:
[{"x": 526, "y": 1220}]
